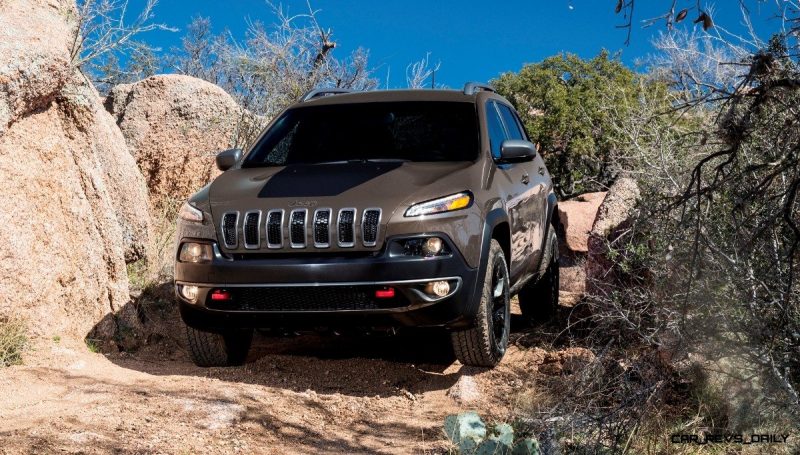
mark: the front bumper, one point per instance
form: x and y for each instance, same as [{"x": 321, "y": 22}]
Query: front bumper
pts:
[{"x": 309, "y": 291}]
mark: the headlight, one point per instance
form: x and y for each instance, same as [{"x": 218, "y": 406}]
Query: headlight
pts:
[
  {"x": 195, "y": 252},
  {"x": 190, "y": 213},
  {"x": 450, "y": 203}
]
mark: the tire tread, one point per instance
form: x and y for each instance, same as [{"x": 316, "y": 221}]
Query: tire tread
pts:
[{"x": 473, "y": 346}]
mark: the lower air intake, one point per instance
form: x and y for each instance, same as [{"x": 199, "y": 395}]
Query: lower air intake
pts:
[{"x": 307, "y": 298}]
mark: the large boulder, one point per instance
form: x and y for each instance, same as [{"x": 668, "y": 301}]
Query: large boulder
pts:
[
  {"x": 577, "y": 217},
  {"x": 612, "y": 217},
  {"x": 75, "y": 204},
  {"x": 174, "y": 125},
  {"x": 34, "y": 55}
]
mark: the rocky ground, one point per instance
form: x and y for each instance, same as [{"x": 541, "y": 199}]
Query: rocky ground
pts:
[{"x": 305, "y": 394}]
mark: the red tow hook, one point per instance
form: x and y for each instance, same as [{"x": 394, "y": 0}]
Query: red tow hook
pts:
[
  {"x": 220, "y": 294},
  {"x": 387, "y": 293}
]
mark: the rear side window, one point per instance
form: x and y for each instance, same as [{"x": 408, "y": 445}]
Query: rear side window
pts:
[
  {"x": 512, "y": 122},
  {"x": 497, "y": 133},
  {"x": 406, "y": 131}
]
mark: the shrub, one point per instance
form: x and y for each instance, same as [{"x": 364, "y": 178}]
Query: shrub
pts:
[
  {"x": 13, "y": 341},
  {"x": 569, "y": 106}
]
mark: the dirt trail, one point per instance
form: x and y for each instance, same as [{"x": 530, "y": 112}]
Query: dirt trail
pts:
[{"x": 307, "y": 394}]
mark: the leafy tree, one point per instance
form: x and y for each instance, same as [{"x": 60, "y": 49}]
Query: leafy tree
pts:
[{"x": 568, "y": 105}]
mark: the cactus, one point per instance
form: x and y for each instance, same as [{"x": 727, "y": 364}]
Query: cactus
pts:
[
  {"x": 468, "y": 432},
  {"x": 465, "y": 430}
]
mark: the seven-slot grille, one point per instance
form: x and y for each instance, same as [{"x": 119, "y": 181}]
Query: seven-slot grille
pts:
[
  {"x": 297, "y": 228},
  {"x": 296, "y": 225}
]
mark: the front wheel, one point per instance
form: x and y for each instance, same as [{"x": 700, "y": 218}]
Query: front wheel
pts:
[
  {"x": 485, "y": 343},
  {"x": 211, "y": 349},
  {"x": 538, "y": 300}
]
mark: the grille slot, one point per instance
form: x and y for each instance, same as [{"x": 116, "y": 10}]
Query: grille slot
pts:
[
  {"x": 307, "y": 298},
  {"x": 250, "y": 230},
  {"x": 322, "y": 230},
  {"x": 370, "y": 223},
  {"x": 297, "y": 228},
  {"x": 229, "y": 222},
  {"x": 346, "y": 229},
  {"x": 275, "y": 229}
]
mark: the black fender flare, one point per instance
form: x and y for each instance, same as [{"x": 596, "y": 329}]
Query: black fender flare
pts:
[
  {"x": 552, "y": 204},
  {"x": 493, "y": 219}
]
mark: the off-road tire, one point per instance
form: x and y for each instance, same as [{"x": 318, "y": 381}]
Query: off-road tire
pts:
[
  {"x": 538, "y": 300},
  {"x": 479, "y": 345},
  {"x": 210, "y": 349}
]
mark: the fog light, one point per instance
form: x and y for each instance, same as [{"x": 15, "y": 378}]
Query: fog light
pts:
[
  {"x": 189, "y": 293},
  {"x": 438, "y": 288},
  {"x": 432, "y": 246}
]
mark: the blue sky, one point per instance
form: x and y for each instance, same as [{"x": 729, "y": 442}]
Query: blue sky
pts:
[{"x": 473, "y": 40}]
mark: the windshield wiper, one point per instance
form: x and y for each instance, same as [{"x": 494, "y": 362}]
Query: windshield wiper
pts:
[
  {"x": 366, "y": 160},
  {"x": 386, "y": 160}
]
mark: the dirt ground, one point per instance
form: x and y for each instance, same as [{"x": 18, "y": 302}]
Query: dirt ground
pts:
[{"x": 305, "y": 394}]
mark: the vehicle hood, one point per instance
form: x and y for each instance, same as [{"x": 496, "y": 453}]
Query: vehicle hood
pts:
[{"x": 352, "y": 185}]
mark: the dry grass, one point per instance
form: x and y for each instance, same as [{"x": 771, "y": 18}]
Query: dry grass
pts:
[
  {"x": 13, "y": 341},
  {"x": 157, "y": 267}
]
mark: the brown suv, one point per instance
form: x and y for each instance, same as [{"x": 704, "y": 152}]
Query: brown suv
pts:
[{"x": 425, "y": 208}]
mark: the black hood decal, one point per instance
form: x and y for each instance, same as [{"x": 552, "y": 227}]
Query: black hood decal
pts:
[{"x": 319, "y": 180}]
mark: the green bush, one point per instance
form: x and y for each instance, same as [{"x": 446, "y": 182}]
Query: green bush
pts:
[{"x": 571, "y": 107}]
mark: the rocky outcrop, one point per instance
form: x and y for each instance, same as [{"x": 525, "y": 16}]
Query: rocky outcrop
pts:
[
  {"x": 616, "y": 208},
  {"x": 174, "y": 125},
  {"x": 612, "y": 216},
  {"x": 588, "y": 222},
  {"x": 577, "y": 216},
  {"x": 34, "y": 56},
  {"x": 75, "y": 204}
]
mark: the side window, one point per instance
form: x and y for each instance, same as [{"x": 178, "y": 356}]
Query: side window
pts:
[
  {"x": 497, "y": 133},
  {"x": 512, "y": 123}
]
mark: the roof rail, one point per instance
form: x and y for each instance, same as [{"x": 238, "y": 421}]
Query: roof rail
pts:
[
  {"x": 470, "y": 88},
  {"x": 318, "y": 92}
]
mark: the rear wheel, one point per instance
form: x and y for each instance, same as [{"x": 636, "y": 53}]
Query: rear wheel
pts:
[
  {"x": 211, "y": 349},
  {"x": 539, "y": 300},
  {"x": 485, "y": 343}
]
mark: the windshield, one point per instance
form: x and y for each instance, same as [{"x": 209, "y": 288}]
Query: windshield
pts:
[{"x": 407, "y": 131}]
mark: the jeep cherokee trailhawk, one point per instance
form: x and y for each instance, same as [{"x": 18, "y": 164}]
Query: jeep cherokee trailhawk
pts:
[{"x": 426, "y": 208}]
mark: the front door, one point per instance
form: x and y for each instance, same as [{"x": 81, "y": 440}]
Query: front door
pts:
[
  {"x": 513, "y": 182},
  {"x": 535, "y": 191}
]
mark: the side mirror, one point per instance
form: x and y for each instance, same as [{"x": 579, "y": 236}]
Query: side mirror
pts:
[
  {"x": 228, "y": 158},
  {"x": 516, "y": 151}
]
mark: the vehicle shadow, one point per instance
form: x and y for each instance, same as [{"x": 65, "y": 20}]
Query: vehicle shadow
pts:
[
  {"x": 349, "y": 365},
  {"x": 356, "y": 364}
]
